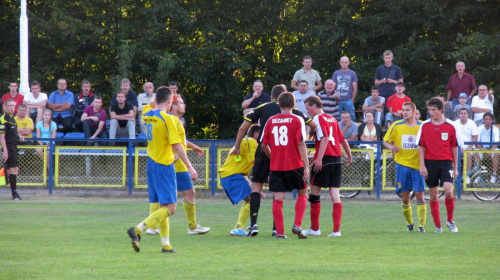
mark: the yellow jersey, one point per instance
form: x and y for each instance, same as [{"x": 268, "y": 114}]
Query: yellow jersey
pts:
[
  {"x": 161, "y": 134},
  {"x": 179, "y": 164},
  {"x": 26, "y": 122},
  {"x": 404, "y": 137},
  {"x": 240, "y": 166}
]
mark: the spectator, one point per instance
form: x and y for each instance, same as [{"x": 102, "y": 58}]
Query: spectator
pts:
[
  {"x": 417, "y": 114},
  {"x": 61, "y": 103},
  {"x": 387, "y": 75},
  {"x": 94, "y": 120},
  {"x": 130, "y": 96},
  {"x": 346, "y": 85},
  {"x": 46, "y": 128},
  {"x": 481, "y": 104},
  {"x": 395, "y": 105},
  {"x": 255, "y": 99},
  {"x": 469, "y": 133},
  {"x": 307, "y": 74},
  {"x": 489, "y": 133},
  {"x": 449, "y": 113},
  {"x": 24, "y": 124},
  {"x": 348, "y": 127},
  {"x": 14, "y": 95},
  {"x": 174, "y": 88},
  {"x": 462, "y": 98},
  {"x": 82, "y": 100},
  {"x": 301, "y": 95},
  {"x": 369, "y": 131},
  {"x": 36, "y": 102},
  {"x": 330, "y": 100},
  {"x": 458, "y": 83},
  {"x": 143, "y": 99},
  {"x": 374, "y": 104},
  {"x": 122, "y": 122}
]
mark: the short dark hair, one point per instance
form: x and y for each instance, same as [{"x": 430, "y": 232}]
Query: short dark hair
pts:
[
  {"x": 22, "y": 105},
  {"x": 254, "y": 128},
  {"x": 286, "y": 100},
  {"x": 98, "y": 97},
  {"x": 163, "y": 94},
  {"x": 303, "y": 81},
  {"x": 314, "y": 100},
  {"x": 436, "y": 102},
  {"x": 462, "y": 109},
  {"x": 121, "y": 92},
  {"x": 277, "y": 91},
  {"x": 35, "y": 83},
  {"x": 375, "y": 88},
  {"x": 86, "y": 82},
  {"x": 307, "y": 57},
  {"x": 488, "y": 114},
  {"x": 13, "y": 83},
  {"x": 173, "y": 83},
  {"x": 411, "y": 104}
]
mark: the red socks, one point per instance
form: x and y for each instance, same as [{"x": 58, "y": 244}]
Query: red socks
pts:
[
  {"x": 315, "y": 211},
  {"x": 300, "y": 209},
  {"x": 450, "y": 207},
  {"x": 278, "y": 216},
  {"x": 435, "y": 212},
  {"x": 337, "y": 216}
]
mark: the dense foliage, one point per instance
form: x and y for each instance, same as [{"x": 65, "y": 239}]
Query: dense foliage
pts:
[{"x": 216, "y": 49}]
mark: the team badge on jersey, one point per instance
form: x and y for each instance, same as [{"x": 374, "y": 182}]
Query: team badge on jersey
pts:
[{"x": 444, "y": 136}]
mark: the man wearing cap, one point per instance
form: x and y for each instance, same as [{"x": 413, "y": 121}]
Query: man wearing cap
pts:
[
  {"x": 460, "y": 82},
  {"x": 395, "y": 104}
]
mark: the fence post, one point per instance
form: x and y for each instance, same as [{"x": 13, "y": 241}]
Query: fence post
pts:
[
  {"x": 213, "y": 161},
  {"x": 458, "y": 184},
  {"x": 51, "y": 164},
  {"x": 378, "y": 168},
  {"x": 130, "y": 169}
]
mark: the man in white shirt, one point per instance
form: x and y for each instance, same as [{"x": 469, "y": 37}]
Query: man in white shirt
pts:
[
  {"x": 469, "y": 132},
  {"x": 36, "y": 102},
  {"x": 489, "y": 133},
  {"x": 143, "y": 99},
  {"x": 482, "y": 103}
]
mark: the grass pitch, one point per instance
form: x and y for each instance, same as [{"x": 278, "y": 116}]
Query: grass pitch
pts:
[{"x": 85, "y": 238}]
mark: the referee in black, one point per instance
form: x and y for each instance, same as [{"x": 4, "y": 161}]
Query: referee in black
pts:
[{"x": 9, "y": 140}]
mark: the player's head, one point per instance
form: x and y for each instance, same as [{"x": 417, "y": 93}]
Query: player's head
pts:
[
  {"x": 437, "y": 103},
  {"x": 313, "y": 105},
  {"x": 417, "y": 114},
  {"x": 253, "y": 131},
  {"x": 22, "y": 110},
  {"x": 409, "y": 109},
  {"x": 10, "y": 106},
  {"x": 277, "y": 91},
  {"x": 163, "y": 95},
  {"x": 178, "y": 106},
  {"x": 286, "y": 100}
]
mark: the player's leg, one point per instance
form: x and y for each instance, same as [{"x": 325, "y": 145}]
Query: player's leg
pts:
[
  {"x": 278, "y": 213},
  {"x": 164, "y": 227},
  {"x": 237, "y": 188},
  {"x": 315, "y": 204},
  {"x": 185, "y": 185},
  {"x": 260, "y": 174},
  {"x": 419, "y": 189},
  {"x": 432, "y": 181},
  {"x": 152, "y": 208},
  {"x": 447, "y": 179},
  {"x": 12, "y": 164},
  {"x": 405, "y": 186},
  {"x": 337, "y": 211}
]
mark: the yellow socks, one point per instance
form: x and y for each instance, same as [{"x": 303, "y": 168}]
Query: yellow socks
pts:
[
  {"x": 153, "y": 207},
  {"x": 422, "y": 213},
  {"x": 190, "y": 210},
  {"x": 244, "y": 215},
  {"x": 407, "y": 213},
  {"x": 153, "y": 219}
]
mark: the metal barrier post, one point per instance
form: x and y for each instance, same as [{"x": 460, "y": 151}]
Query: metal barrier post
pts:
[
  {"x": 213, "y": 162},
  {"x": 130, "y": 169},
  {"x": 378, "y": 186},
  {"x": 51, "y": 164},
  {"x": 458, "y": 185}
]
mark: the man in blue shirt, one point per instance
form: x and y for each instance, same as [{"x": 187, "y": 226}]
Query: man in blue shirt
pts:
[{"x": 61, "y": 102}]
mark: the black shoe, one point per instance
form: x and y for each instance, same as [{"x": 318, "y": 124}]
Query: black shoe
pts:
[
  {"x": 274, "y": 233},
  {"x": 279, "y": 236},
  {"x": 16, "y": 197},
  {"x": 136, "y": 238},
  {"x": 300, "y": 233},
  {"x": 421, "y": 229},
  {"x": 168, "y": 251},
  {"x": 409, "y": 227},
  {"x": 254, "y": 230}
]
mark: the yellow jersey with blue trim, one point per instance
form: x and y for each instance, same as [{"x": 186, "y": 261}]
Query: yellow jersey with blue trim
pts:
[
  {"x": 405, "y": 138},
  {"x": 161, "y": 133},
  {"x": 242, "y": 164},
  {"x": 179, "y": 164}
]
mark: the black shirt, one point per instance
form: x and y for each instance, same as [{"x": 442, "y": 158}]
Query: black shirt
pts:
[
  {"x": 123, "y": 111},
  {"x": 265, "y": 111},
  {"x": 263, "y": 98},
  {"x": 8, "y": 126}
]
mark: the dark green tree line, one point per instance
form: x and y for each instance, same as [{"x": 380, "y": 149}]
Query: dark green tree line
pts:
[{"x": 216, "y": 49}]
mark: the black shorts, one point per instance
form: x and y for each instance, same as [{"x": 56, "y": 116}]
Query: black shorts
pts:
[
  {"x": 12, "y": 160},
  {"x": 330, "y": 175},
  {"x": 260, "y": 170},
  {"x": 438, "y": 172},
  {"x": 287, "y": 181}
]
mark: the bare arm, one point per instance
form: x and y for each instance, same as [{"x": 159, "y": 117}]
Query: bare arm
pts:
[
  {"x": 86, "y": 117},
  {"x": 354, "y": 90},
  {"x": 448, "y": 95},
  {"x": 347, "y": 150},
  {"x": 179, "y": 150},
  {"x": 480, "y": 110},
  {"x": 5, "y": 155},
  {"x": 99, "y": 129},
  {"x": 195, "y": 148},
  {"x": 24, "y": 131},
  {"x": 318, "y": 86},
  {"x": 305, "y": 160},
  {"x": 129, "y": 116},
  {"x": 318, "y": 163},
  {"x": 421, "y": 155},
  {"x": 266, "y": 150},
  {"x": 294, "y": 85},
  {"x": 241, "y": 134},
  {"x": 393, "y": 148},
  {"x": 42, "y": 104},
  {"x": 455, "y": 161}
]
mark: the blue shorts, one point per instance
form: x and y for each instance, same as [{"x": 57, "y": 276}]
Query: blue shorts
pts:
[
  {"x": 184, "y": 182},
  {"x": 408, "y": 179},
  {"x": 162, "y": 185},
  {"x": 237, "y": 187}
]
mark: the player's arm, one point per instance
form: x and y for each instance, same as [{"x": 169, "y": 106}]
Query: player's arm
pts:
[
  {"x": 99, "y": 129},
  {"x": 241, "y": 134},
  {"x": 179, "y": 151},
  {"x": 305, "y": 159},
  {"x": 393, "y": 148},
  {"x": 454, "y": 152},
  {"x": 318, "y": 163},
  {"x": 347, "y": 150},
  {"x": 421, "y": 155},
  {"x": 294, "y": 85},
  {"x": 267, "y": 150},
  {"x": 195, "y": 148},
  {"x": 5, "y": 155}
]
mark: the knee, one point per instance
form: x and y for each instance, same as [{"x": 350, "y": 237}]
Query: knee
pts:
[{"x": 314, "y": 198}]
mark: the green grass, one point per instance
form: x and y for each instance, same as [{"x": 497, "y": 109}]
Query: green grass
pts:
[{"x": 85, "y": 238}]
